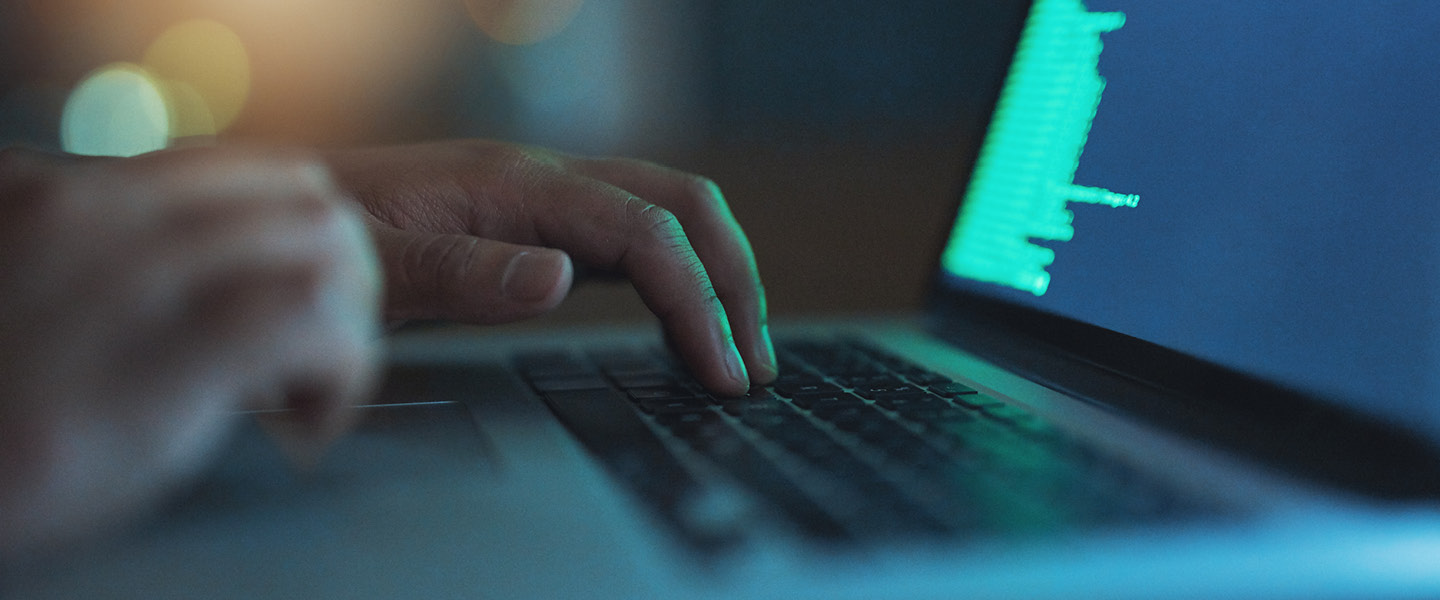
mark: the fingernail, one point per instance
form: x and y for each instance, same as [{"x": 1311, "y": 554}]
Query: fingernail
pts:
[
  {"x": 532, "y": 276},
  {"x": 735, "y": 367}
]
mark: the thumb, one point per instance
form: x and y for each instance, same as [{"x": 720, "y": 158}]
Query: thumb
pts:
[{"x": 466, "y": 278}]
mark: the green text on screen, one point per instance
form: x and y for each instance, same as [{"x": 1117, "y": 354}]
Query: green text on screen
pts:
[{"x": 1025, "y": 175}]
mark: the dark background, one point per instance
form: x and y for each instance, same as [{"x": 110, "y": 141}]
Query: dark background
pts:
[{"x": 836, "y": 129}]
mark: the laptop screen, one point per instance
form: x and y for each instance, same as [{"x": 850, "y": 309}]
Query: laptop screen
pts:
[{"x": 1252, "y": 183}]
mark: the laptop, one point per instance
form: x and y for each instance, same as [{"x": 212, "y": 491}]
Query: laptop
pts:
[{"x": 1181, "y": 342}]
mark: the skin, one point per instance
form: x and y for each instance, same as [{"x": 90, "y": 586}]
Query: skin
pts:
[
  {"x": 448, "y": 219},
  {"x": 182, "y": 287},
  {"x": 147, "y": 301}
]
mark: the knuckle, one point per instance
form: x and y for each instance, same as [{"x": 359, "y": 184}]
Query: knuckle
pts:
[
  {"x": 436, "y": 267},
  {"x": 698, "y": 197},
  {"x": 521, "y": 165},
  {"x": 328, "y": 215},
  {"x": 653, "y": 221},
  {"x": 310, "y": 171},
  {"x": 522, "y": 168},
  {"x": 327, "y": 221},
  {"x": 489, "y": 152},
  {"x": 303, "y": 171},
  {"x": 703, "y": 190},
  {"x": 479, "y": 148}
]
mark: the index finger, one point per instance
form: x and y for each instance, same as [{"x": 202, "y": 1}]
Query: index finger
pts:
[
  {"x": 611, "y": 228},
  {"x": 718, "y": 241}
]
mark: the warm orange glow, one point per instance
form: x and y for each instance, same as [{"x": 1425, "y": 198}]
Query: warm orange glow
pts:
[
  {"x": 207, "y": 73},
  {"x": 315, "y": 71},
  {"x": 339, "y": 71},
  {"x": 522, "y": 21},
  {"x": 189, "y": 112}
]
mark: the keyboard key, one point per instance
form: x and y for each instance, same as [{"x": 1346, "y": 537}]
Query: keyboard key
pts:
[
  {"x": 766, "y": 422},
  {"x": 880, "y": 432},
  {"x": 751, "y": 468},
  {"x": 890, "y": 388},
  {"x": 760, "y": 403},
  {"x": 794, "y": 375},
  {"x": 809, "y": 443},
  {"x": 839, "y": 414},
  {"x": 662, "y": 393},
  {"x": 908, "y": 451},
  {"x": 631, "y": 380},
  {"x": 912, "y": 399},
  {"x": 758, "y": 394},
  {"x": 951, "y": 389},
  {"x": 939, "y": 414},
  {"x": 674, "y": 406},
  {"x": 790, "y": 390},
  {"x": 611, "y": 429},
  {"x": 826, "y": 400},
  {"x": 688, "y": 423}
]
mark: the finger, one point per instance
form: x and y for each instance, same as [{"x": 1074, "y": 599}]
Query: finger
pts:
[
  {"x": 610, "y": 228},
  {"x": 221, "y": 233},
  {"x": 718, "y": 241},
  {"x": 336, "y": 359},
  {"x": 274, "y": 304},
  {"x": 256, "y": 175},
  {"x": 315, "y": 408},
  {"x": 154, "y": 189},
  {"x": 220, "y": 351},
  {"x": 255, "y": 341},
  {"x": 244, "y": 314},
  {"x": 194, "y": 244},
  {"x": 467, "y": 278}
]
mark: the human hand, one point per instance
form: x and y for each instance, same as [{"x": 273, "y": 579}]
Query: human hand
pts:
[
  {"x": 484, "y": 232},
  {"x": 147, "y": 300}
]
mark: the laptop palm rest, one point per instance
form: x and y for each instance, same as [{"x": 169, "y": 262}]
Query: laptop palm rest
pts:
[
  {"x": 389, "y": 444},
  {"x": 427, "y": 496}
]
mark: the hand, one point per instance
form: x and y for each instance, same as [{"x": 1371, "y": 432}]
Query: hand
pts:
[
  {"x": 146, "y": 301},
  {"x": 485, "y": 232}
]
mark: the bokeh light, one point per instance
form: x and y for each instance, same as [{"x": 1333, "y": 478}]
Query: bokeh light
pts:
[
  {"x": 117, "y": 110},
  {"x": 190, "y": 115},
  {"x": 193, "y": 81},
  {"x": 202, "y": 60},
  {"x": 520, "y": 22}
]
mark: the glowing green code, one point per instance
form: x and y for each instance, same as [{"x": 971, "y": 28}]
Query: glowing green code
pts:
[{"x": 1025, "y": 174}]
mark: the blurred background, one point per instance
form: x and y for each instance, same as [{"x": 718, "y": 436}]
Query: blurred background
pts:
[{"x": 836, "y": 129}]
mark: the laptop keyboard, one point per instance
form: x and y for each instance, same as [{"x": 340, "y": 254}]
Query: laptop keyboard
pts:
[{"x": 849, "y": 442}]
